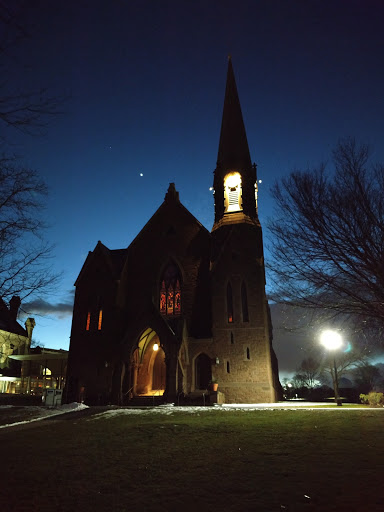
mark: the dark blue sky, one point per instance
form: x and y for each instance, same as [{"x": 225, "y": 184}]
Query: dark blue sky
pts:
[{"x": 146, "y": 84}]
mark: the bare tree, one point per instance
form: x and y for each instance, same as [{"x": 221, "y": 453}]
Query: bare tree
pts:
[
  {"x": 328, "y": 237},
  {"x": 308, "y": 373},
  {"x": 343, "y": 362},
  {"x": 24, "y": 256},
  {"x": 366, "y": 377}
]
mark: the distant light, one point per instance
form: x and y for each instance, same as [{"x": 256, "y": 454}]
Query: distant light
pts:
[
  {"x": 211, "y": 188},
  {"x": 155, "y": 347},
  {"x": 141, "y": 174},
  {"x": 260, "y": 181}
]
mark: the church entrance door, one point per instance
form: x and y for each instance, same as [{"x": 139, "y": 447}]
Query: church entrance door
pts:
[
  {"x": 150, "y": 365},
  {"x": 203, "y": 371}
]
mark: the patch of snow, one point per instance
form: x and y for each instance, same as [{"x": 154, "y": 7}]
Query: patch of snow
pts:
[{"x": 45, "y": 412}]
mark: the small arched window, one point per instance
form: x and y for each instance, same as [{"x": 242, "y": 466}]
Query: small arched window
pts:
[
  {"x": 88, "y": 322},
  {"x": 100, "y": 320},
  {"x": 229, "y": 304},
  {"x": 170, "y": 291},
  {"x": 244, "y": 302}
]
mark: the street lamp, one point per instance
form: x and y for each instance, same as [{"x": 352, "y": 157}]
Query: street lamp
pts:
[{"x": 332, "y": 340}]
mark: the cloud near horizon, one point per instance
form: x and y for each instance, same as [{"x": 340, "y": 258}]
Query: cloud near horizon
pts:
[{"x": 41, "y": 307}]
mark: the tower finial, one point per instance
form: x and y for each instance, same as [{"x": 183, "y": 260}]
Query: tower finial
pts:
[{"x": 172, "y": 194}]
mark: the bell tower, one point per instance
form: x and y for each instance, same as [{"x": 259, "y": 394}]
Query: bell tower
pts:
[
  {"x": 235, "y": 178},
  {"x": 246, "y": 366}
]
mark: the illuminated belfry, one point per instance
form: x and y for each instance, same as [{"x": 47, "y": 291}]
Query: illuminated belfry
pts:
[{"x": 235, "y": 180}]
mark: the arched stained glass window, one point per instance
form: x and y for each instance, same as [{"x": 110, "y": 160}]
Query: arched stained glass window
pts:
[
  {"x": 170, "y": 291},
  {"x": 229, "y": 304},
  {"x": 244, "y": 302}
]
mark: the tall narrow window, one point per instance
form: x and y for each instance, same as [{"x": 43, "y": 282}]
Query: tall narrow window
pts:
[
  {"x": 229, "y": 304},
  {"x": 170, "y": 297},
  {"x": 228, "y": 367},
  {"x": 88, "y": 323},
  {"x": 177, "y": 306},
  {"x": 248, "y": 353},
  {"x": 163, "y": 299},
  {"x": 244, "y": 302},
  {"x": 100, "y": 321},
  {"x": 170, "y": 291},
  {"x": 232, "y": 339}
]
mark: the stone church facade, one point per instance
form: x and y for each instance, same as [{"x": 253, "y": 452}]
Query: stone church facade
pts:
[{"x": 168, "y": 322}]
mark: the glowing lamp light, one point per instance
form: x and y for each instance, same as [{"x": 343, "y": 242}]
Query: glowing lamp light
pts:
[
  {"x": 232, "y": 180},
  {"x": 331, "y": 340},
  {"x": 155, "y": 347}
]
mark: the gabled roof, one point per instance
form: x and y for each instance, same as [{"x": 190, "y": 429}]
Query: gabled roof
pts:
[
  {"x": 171, "y": 201},
  {"x": 113, "y": 258}
]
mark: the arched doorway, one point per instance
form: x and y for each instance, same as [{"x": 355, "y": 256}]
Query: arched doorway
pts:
[
  {"x": 203, "y": 371},
  {"x": 150, "y": 368}
]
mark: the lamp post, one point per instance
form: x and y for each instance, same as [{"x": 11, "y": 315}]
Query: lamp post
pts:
[{"x": 332, "y": 340}]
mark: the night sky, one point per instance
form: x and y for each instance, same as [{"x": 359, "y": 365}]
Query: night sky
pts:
[{"x": 145, "y": 84}]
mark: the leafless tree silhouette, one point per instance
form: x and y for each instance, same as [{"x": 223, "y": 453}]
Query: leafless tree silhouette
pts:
[
  {"x": 327, "y": 238},
  {"x": 24, "y": 255}
]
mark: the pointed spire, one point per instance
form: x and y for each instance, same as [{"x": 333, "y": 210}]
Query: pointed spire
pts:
[{"x": 233, "y": 145}]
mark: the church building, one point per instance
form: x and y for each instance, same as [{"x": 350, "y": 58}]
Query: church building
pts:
[{"x": 172, "y": 322}]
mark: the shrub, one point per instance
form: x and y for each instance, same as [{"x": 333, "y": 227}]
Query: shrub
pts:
[{"x": 373, "y": 399}]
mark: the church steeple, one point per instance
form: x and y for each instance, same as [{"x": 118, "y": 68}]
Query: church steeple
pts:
[
  {"x": 233, "y": 146},
  {"x": 235, "y": 176}
]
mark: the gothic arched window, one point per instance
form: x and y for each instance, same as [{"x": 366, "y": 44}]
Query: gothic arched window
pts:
[
  {"x": 170, "y": 291},
  {"x": 229, "y": 304},
  {"x": 244, "y": 302}
]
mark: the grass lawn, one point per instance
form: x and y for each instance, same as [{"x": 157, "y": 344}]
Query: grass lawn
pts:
[{"x": 270, "y": 460}]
